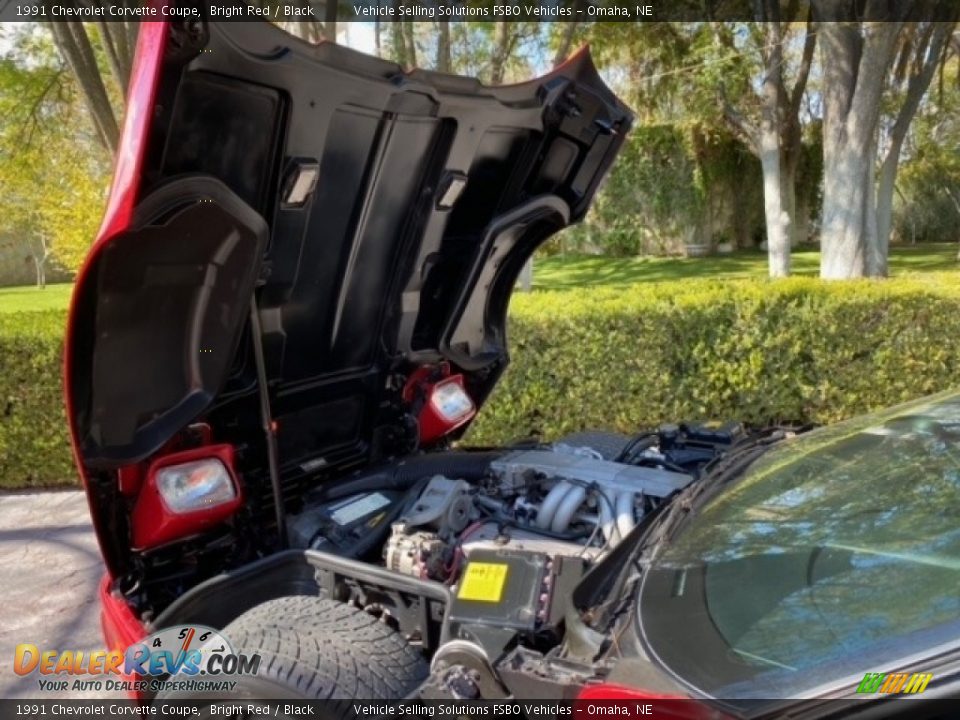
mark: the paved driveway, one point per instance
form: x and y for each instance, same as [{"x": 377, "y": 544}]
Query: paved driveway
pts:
[{"x": 49, "y": 570}]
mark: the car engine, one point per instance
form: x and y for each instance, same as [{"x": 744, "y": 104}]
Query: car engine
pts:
[{"x": 565, "y": 500}]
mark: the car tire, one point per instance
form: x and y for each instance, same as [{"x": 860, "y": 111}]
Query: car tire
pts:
[
  {"x": 317, "y": 649},
  {"x": 608, "y": 444}
]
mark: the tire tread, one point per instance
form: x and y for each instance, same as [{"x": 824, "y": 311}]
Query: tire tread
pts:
[{"x": 328, "y": 650}]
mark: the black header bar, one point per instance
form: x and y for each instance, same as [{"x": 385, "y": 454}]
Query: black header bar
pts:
[{"x": 386, "y": 11}]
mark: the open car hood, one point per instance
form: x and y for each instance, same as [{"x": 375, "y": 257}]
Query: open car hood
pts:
[{"x": 377, "y": 218}]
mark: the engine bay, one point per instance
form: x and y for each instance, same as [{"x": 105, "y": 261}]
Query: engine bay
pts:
[
  {"x": 509, "y": 532},
  {"x": 490, "y": 562}
]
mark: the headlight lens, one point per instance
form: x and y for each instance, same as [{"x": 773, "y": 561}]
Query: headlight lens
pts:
[{"x": 195, "y": 485}]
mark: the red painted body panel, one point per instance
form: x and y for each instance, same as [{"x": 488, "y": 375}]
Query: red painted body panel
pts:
[
  {"x": 136, "y": 129},
  {"x": 611, "y": 691},
  {"x": 625, "y": 701},
  {"x": 126, "y": 182},
  {"x": 120, "y": 626}
]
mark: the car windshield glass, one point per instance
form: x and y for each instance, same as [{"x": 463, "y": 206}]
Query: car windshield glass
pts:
[{"x": 836, "y": 553}]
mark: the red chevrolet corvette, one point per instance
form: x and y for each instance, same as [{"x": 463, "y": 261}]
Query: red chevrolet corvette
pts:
[{"x": 297, "y": 304}]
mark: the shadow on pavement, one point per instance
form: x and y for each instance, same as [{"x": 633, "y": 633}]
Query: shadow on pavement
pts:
[{"x": 50, "y": 566}]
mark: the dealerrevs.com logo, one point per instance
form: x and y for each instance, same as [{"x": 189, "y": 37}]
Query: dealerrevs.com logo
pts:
[{"x": 183, "y": 657}]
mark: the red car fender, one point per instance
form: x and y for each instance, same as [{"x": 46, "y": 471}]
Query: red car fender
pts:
[
  {"x": 144, "y": 77},
  {"x": 639, "y": 703},
  {"x": 121, "y": 628}
]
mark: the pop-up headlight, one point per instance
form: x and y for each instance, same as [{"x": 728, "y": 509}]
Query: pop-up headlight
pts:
[
  {"x": 451, "y": 402},
  {"x": 439, "y": 400},
  {"x": 195, "y": 485},
  {"x": 185, "y": 493}
]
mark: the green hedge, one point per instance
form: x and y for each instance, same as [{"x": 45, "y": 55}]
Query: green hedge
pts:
[
  {"x": 34, "y": 448},
  {"x": 792, "y": 351}
]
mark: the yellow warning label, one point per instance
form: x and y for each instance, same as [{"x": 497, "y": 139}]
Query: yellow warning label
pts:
[{"x": 483, "y": 582}]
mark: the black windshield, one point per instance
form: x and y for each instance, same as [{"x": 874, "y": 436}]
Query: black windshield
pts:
[{"x": 836, "y": 553}]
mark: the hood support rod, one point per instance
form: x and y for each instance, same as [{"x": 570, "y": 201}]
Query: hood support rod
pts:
[{"x": 269, "y": 429}]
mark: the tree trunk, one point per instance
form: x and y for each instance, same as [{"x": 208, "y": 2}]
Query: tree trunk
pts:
[
  {"x": 397, "y": 39},
  {"x": 777, "y": 221},
  {"x": 444, "y": 63},
  {"x": 928, "y": 62},
  {"x": 792, "y": 140},
  {"x": 855, "y": 71},
  {"x": 885, "y": 187},
  {"x": 777, "y": 138},
  {"x": 842, "y": 247},
  {"x": 771, "y": 152},
  {"x": 788, "y": 194},
  {"x": 40, "y": 264},
  {"x": 526, "y": 276},
  {"x": 71, "y": 39},
  {"x": 566, "y": 40},
  {"x": 876, "y": 260},
  {"x": 313, "y": 31},
  {"x": 377, "y": 40},
  {"x": 114, "y": 44},
  {"x": 954, "y": 198},
  {"x": 330, "y": 21},
  {"x": 411, "y": 44},
  {"x": 501, "y": 51}
]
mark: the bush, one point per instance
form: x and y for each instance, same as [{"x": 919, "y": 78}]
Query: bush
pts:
[
  {"x": 789, "y": 351},
  {"x": 34, "y": 445},
  {"x": 792, "y": 351}
]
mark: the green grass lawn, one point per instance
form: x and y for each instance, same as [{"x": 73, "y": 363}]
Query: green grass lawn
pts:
[
  {"x": 20, "y": 299},
  {"x": 570, "y": 271}
]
